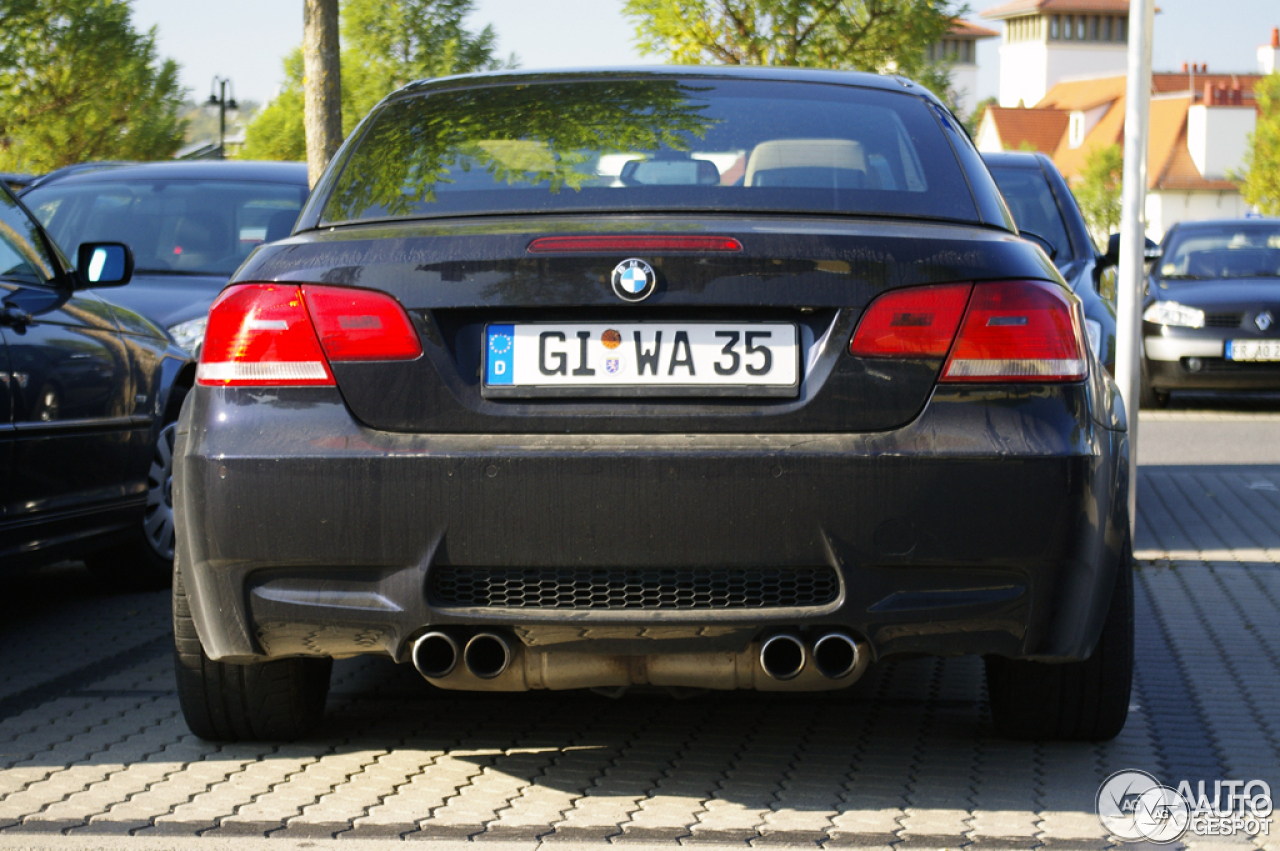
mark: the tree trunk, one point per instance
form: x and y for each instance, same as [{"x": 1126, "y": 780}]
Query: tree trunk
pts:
[{"x": 322, "y": 83}]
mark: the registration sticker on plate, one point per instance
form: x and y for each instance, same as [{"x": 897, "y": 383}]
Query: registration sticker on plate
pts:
[
  {"x": 1253, "y": 350},
  {"x": 641, "y": 359}
]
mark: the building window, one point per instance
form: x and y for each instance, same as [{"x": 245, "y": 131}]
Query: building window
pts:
[
  {"x": 1075, "y": 130},
  {"x": 1080, "y": 27},
  {"x": 1122, "y": 29},
  {"x": 1105, "y": 35},
  {"x": 1093, "y": 28},
  {"x": 1054, "y": 25}
]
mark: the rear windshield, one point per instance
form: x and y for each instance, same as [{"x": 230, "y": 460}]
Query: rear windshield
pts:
[
  {"x": 652, "y": 144},
  {"x": 1228, "y": 251},
  {"x": 197, "y": 227}
]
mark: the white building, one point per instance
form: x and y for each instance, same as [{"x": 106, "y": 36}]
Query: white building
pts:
[
  {"x": 1200, "y": 123},
  {"x": 1047, "y": 41},
  {"x": 1269, "y": 54},
  {"x": 960, "y": 49},
  {"x": 1062, "y": 92}
]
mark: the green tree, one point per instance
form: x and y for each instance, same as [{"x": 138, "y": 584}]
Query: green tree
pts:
[
  {"x": 1098, "y": 191},
  {"x": 973, "y": 122},
  {"x": 412, "y": 147},
  {"x": 1260, "y": 180},
  {"x": 276, "y": 132},
  {"x": 861, "y": 35},
  {"x": 78, "y": 82},
  {"x": 385, "y": 44}
]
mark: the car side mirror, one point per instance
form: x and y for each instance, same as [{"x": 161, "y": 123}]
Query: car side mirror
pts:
[
  {"x": 1112, "y": 255},
  {"x": 1150, "y": 251},
  {"x": 104, "y": 264}
]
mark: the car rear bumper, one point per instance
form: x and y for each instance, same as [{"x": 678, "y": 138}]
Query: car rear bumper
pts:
[{"x": 992, "y": 524}]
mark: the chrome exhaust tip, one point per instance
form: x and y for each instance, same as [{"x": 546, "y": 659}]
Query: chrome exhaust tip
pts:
[
  {"x": 835, "y": 655},
  {"x": 487, "y": 655},
  {"x": 435, "y": 655},
  {"x": 782, "y": 656}
]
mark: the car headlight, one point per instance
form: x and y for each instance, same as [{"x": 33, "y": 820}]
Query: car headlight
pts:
[
  {"x": 190, "y": 334},
  {"x": 1172, "y": 313}
]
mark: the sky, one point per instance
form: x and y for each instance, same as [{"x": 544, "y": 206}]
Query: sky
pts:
[{"x": 246, "y": 40}]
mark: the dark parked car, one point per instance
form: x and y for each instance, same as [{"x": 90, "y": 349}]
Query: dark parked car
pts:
[
  {"x": 190, "y": 224},
  {"x": 1042, "y": 204},
  {"x": 689, "y": 378},
  {"x": 16, "y": 181},
  {"x": 89, "y": 395},
  {"x": 1210, "y": 316}
]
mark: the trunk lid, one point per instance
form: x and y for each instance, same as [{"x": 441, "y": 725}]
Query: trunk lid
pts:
[{"x": 817, "y": 273}]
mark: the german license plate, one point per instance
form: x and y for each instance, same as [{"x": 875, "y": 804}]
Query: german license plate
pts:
[
  {"x": 641, "y": 359},
  {"x": 1253, "y": 350}
]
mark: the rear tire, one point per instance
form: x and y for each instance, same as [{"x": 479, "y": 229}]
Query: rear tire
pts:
[
  {"x": 280, "y": 700},
  {"x": 1074, "y": 701}
]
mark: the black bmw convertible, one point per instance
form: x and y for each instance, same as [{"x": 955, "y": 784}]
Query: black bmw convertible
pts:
[{"x": 691, "y": 378}]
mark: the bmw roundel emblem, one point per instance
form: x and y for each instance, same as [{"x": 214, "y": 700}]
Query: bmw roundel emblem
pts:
[{"x": 634, "y": 280}]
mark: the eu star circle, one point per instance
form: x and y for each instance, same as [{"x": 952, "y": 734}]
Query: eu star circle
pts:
[{"x": 634, "y": 280}]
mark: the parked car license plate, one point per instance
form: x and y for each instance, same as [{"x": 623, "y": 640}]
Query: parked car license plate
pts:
[
  {"x": 641, "y": 359},
  {"x": 1253, "y": 349}
]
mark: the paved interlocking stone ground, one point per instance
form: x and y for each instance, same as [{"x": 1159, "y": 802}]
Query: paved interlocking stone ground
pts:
[{"x": 92, "y": 745}]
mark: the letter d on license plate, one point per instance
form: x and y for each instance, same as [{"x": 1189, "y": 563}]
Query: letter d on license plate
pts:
[{"x": 641, "y": 359}]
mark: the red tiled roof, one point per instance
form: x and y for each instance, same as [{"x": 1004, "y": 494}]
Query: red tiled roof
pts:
[
  {"x": 1029, "y": 7},
  {"x": 966, "y": 29},
  {"x": 1180, "y": 172},
  {"x": 1086, "y": 94},
  {"x": 1167, "y": 132},
  {"x": 1108, "y": 131},
  {"x": 1169, "y": 162},
  {"x": 1021, "y": 128},
  {"x": 1179, "y": 82}
]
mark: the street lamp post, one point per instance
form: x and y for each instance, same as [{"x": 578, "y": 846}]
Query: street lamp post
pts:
[
  {"x": 219, "y": 99},
  {"x": 1132, "y": 271}
]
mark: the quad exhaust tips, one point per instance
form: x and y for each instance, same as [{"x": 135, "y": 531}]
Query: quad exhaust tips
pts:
[{"x": 493, "y": 660}]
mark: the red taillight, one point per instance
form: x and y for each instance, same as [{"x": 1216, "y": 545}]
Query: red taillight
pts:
[
  {"x": 361, "y": 325},
  {"x": 637, "y": 244},
  {"x": 1018, "y": 331},
  {"x": 915, "y": 322},
  {"x": 260, "y": 334},
  {"x": 263, "y": 334}
]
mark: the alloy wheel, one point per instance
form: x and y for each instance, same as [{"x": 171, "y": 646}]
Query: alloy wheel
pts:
[{"x": 158, "y": 519}]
